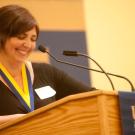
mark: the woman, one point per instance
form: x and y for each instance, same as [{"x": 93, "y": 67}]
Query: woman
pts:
[{"x": 19, "y": 79}]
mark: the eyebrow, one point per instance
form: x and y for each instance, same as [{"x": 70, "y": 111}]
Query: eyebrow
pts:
[{"x": 34, "y": 35}]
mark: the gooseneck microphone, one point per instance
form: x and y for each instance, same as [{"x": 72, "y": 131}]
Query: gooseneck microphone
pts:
[
  {"x": 75, "y": 53},
  {"x": 43, "y": 49}
]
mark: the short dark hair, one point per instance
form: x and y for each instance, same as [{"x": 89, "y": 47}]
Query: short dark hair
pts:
[{"x": 15, "y": 20}]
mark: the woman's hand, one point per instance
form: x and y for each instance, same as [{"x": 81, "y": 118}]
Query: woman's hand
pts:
[{"x": 7, "y": 118}]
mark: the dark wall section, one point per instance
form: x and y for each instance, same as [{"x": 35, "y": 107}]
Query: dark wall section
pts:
[{"x": 57, "y": 41}]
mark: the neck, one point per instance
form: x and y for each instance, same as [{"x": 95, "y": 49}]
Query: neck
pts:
[{"x": 14, "y": 70}]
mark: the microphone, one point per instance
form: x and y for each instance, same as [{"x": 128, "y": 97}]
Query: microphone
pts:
[
  {"x": 75, "y": 53},
  {"x": 43, "y": 49}
]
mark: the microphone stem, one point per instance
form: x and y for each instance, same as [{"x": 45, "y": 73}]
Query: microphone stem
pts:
[
  {"x": 64, "y": 62},
  {"x": 80, "y": 54},
  {"x": 82, "y": 67},
  {"x": 132, "y": 87}
]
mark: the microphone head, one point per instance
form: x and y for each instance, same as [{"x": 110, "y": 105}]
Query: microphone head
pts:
[
  {"x": 70, "y": 53},
  {"x": 42, "y": 48}
]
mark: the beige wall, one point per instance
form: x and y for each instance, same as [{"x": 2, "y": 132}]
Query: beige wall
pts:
[
  {"x": 111, "y": 39},
  {"x": 54, "y": 14}
]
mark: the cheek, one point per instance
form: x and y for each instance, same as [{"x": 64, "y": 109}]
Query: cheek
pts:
[
  {"x": 8, "y": 48},
  {"x": 33, "y": 46}
]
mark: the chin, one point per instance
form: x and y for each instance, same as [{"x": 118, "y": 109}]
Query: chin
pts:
[{"x": 21, "y": 60}]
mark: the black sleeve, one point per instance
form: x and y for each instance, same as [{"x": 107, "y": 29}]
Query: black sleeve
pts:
[{"x": 45, "y": 74}]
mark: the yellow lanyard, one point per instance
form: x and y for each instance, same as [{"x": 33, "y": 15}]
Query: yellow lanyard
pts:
[{"x": 25, "y": 94}]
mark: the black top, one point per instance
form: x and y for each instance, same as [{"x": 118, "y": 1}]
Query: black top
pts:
[{"x": 44, "y": 75}]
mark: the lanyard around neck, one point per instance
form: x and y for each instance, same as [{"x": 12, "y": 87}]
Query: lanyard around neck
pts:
[{"x": 24, "y": 96}]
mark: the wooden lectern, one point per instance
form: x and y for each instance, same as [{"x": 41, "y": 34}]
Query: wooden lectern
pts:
[{"x": 89, "y": 113}]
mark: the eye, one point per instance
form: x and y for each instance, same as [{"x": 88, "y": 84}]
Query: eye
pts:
[{"x": 34, "y": 38}]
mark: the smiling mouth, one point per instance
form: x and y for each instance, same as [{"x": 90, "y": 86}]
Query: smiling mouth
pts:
[{"x": 22, "y": 52}]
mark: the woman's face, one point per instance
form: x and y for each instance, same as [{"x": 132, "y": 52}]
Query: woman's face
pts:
[{"x": 18, "y": 48}]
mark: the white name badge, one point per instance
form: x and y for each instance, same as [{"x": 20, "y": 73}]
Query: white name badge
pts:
[{"x": 45, "y": 92}]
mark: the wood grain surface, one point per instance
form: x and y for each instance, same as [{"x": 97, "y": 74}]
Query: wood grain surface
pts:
[{"x": 90, "y": 113}]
